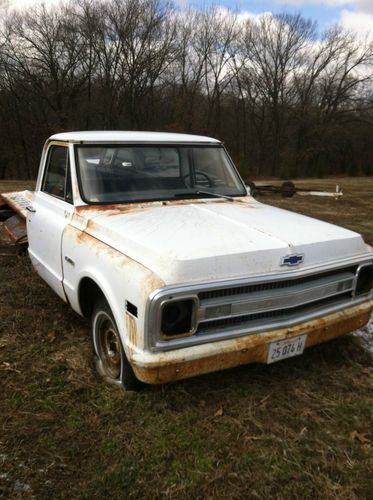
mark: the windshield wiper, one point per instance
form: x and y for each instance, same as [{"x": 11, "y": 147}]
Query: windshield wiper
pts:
[
  {"x": 214, "y": 195},
  {"x": 203, "y": 193}
]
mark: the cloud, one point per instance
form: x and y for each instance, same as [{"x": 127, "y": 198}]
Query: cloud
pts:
[
  {"x": 358, "y": 5},
  {"x": 328, "y": 3},
  {"x": 242, "y": 16},
  {"x": 364, "y": 5},
  {"x": 360, "y": 22},
  {"x": 25, "y": 4}
]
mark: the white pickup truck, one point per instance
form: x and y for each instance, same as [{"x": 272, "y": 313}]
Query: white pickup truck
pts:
[{"x": 155, "y": 238}]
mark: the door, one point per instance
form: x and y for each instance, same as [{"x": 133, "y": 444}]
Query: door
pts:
[{"x": 51, "y": 211}]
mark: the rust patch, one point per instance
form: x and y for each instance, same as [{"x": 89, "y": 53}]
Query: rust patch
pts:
[
  {"x": 153, "y": 282},
  {"x": 119, "y": 260},
  {"x": 254, "y": 348},
  {"x": 114, "y": 209},
  {"x": 131, "y": 330},
  {"x": 103, "y": 208},
  {"x": 120, "y": 208},
  {"x": 83, "y": 238}
]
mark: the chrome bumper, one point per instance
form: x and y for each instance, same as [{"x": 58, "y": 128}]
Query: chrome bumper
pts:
[{"x": 160, "y": 367}]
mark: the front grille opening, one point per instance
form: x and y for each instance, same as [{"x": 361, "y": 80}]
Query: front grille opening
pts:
[
  {"x": 364, "y": 282},
  {"x": 177, "y": 317},
  {"x": 273, "y": 285},
  {"x": 250, "y": 319}
]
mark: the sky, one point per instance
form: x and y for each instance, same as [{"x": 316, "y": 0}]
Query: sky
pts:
[
  {"x": 356, "y": 15},
  {"x": 352, "y": 14}
]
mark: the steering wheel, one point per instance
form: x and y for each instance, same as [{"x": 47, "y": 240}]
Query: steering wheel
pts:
[{"x": 207, "y": 180}]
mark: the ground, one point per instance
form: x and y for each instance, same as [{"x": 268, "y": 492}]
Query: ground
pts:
[{"x": 300, "y": 428}]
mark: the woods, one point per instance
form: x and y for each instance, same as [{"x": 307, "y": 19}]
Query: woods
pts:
[{"x": 286, "y": 100}]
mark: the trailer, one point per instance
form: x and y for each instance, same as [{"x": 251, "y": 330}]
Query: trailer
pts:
[{"x": 288, "y": 189}]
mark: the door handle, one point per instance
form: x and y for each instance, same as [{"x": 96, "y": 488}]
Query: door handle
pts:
[{"x": 30, "y": 208}]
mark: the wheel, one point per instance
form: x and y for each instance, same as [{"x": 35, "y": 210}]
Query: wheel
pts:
[
  {"x": 288, "y": 189},
  {"x": 110, "y": 359},
  {"x": 253, "y": 190},
  {"x": 207, "y": 180}
]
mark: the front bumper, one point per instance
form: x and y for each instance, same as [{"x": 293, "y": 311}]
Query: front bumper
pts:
[{"x": 161, "y": 367}]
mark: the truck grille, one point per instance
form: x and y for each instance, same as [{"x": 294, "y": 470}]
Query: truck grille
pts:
[
  {"x": 246, "y": 306},
  {"x": 251, "y": 320},
  {"x": 272, "y": 285}
]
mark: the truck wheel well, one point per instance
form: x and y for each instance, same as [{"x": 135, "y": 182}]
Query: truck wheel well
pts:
[{"x": 89, "y": 294}]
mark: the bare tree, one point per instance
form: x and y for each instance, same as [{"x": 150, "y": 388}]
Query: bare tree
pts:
[
  {"x": 329, "y": 91},
  {"x": 144, "y": 37},
  {"x": 274, "y": 47},
  {"x": 43, "y": 49},
  {"x": 186, "y": 73},
  {"x": 284, "y": 100}
]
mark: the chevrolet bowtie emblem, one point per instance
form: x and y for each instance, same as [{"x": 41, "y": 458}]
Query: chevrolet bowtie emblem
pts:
[{"x": 292, "y": 260}]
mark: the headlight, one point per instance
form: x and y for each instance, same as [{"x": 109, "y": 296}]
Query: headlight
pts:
[
  {"x": 364, "y": 280},
  {"x": 179, "y": 317}
]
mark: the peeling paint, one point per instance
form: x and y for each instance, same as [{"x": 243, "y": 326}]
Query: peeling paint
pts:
[
  {"x": 131, "y": 330},
  {"x": 109, "y": 210}
]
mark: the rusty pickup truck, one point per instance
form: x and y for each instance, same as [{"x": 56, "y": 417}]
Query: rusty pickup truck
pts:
[{"x": 156, "y": 239}]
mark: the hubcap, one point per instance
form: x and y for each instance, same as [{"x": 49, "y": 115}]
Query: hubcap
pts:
[{"x": 108, "y": 346}]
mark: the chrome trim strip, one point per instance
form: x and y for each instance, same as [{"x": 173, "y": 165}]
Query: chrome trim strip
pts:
[
  {"x": 368, "y": 264},
  {"x": 279, "y": 299}
]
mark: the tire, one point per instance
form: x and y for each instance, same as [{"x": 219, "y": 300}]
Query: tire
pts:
[
  {"x": 110, "y": 359},
  {"x": 253, "y": 189},
  {"x": 288, "y": 189}
]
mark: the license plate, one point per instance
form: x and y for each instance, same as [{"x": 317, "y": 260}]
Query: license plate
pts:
[{"x": 287, "y": 348}]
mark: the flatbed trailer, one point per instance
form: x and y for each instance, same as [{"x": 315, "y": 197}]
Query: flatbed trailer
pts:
[
  {"x": 13, "y": 210},
  {"x": 288, "y": 189}
]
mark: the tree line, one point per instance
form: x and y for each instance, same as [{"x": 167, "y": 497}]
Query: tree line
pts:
[{"x": 286, "y": 100}]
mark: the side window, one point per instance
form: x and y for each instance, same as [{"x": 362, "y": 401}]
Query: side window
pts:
[{"x": 57, "y": 179}]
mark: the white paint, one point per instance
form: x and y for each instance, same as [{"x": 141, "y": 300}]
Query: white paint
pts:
[
  {"x": 130, "y": 137},
  {"x": 222, "y": 239}
]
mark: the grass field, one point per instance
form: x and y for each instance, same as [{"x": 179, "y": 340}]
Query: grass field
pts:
[{"x": 298, "y": 429}]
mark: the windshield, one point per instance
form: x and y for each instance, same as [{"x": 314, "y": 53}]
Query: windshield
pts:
[{"x": 123, "y": 173}]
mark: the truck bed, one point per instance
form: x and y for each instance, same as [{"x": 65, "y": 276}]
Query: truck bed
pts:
[{"x": 13, "y": 217}]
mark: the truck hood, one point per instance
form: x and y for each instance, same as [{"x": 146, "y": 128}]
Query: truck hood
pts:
[{"x": 211, "y": 240}]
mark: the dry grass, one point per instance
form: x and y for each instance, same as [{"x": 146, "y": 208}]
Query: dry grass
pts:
[
  {"x": 354, "y": 210},
  {"x": 9, "y": 186},
  {"x": 301, "y": 428}
]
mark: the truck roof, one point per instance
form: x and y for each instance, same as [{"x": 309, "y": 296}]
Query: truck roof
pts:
[{"x": 130, "y": 137}]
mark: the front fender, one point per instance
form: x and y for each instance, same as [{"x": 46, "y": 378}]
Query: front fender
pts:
[{"x": 119, "y": 277}]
